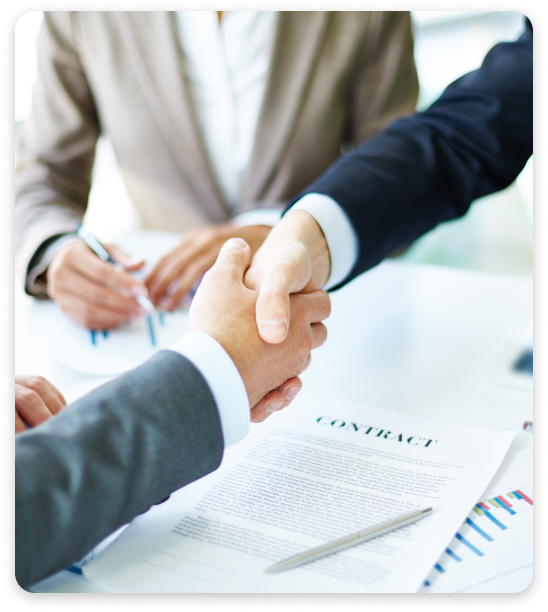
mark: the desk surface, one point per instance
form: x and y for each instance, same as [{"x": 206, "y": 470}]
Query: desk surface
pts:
[{"x": 407, "y": 337}]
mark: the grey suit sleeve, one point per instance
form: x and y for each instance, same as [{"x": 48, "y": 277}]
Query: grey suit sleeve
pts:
[{"x": 108, "y": 457}]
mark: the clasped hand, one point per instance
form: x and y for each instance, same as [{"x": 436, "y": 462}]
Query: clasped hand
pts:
[{"x": 225, "y": 309}]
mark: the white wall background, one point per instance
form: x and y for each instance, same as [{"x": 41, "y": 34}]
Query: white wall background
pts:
[{"x": 495, "y": 236}]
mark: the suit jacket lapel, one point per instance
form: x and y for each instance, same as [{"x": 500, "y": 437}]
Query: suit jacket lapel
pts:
[
  {"x": 299, "y": 36},
  {"x": 152, "y": 45}
]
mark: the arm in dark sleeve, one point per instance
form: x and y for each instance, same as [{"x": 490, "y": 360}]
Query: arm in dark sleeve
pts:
[
  {"x": 428, "y": 168},
  {"x": 108, "y": 457}
]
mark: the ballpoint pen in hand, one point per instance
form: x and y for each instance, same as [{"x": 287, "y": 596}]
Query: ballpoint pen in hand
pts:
[
  {"x": 347, "y": 541},
  {"x": 102, "y": 253}
]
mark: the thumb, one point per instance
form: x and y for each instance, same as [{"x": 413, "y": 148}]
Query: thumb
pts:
[
  {"x": 272, "y": 308},
  {"x": 233, "y": 259}
]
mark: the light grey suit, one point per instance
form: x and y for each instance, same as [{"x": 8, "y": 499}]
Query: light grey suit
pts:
[
  {"x": 108, "y": 457},
  {"x": 334, "y": 80}
]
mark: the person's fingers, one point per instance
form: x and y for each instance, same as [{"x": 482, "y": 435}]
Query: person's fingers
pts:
[
  {"x": 47, "y": 392},
  {"x": 19, "y": 425},
  {"x": 89, "y": 315},
  {"x": 100, "y": 296},
  {"x": 130, "y": 263},
  {"x": 192, "y": 274},
  {"x": 314, "y": 306},
  {"x": 172, "y": 266},
  {"x": 104, "y": 273},
  {"x": 319, "y": 334},
  {"x": 30, "y": 406},
  {"x": 276, "y": 400}
]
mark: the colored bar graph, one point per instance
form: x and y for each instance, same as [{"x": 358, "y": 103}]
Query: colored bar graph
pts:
[
  {"x": 494, "y": 502},
  {"x": 494, "y": 520},
  {"x": 439, "y": 568},
  {"x": 484, "y": 506},
  {"x": 504, "y": 505},
  {"x": 151, "y": 331},
  {"x": 523, "y": 496},
  {"x": 93, "y": 337},
  {"x": 478, "y": 510},
  {"x": 479, "y": 530},
  {"x": 512, "y": 495},
  {"x": 503, "y": 501},
  {"x": 452, "y": 554},
  {"x": 467, "y": 543}
]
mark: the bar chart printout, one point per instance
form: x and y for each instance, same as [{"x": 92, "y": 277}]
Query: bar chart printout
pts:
[{"x": 496, "y": 539}]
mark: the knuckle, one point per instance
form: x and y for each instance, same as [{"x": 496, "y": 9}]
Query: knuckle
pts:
[{"x": 28, "y": 396}]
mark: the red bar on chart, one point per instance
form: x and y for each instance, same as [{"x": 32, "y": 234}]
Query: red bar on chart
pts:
[
  {"x": 483, "y": 506},
  {"x": 503, "y": 501},
  {"x": 527, "y": 499}
]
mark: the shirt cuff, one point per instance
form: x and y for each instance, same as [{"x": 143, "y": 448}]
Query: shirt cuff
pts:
[
  {"x": 260, "y": 216},
  {"x": 339, "y": 233},
  {"x": 33, "y": 285},
  {"x": 223, "y": 379}
]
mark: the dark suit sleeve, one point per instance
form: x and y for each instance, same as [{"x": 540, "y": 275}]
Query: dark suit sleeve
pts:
[
  {"x": 428, "y": 168},
  {"x": 108, "y": 457}
]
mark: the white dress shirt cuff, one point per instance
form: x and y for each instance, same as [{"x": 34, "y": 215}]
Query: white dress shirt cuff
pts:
[
  {"x": 33, "y": 285},
  {"x": 223, "y": 379},
  {"x": 260, "y": 216},
  {"x": 339, "y": 233}
]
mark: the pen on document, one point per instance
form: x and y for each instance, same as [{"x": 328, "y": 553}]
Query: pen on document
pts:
[
  {"x": 102, "y": 253},
  {"x": 347, "y": 541},
  {"x": 528, "y": 426}
]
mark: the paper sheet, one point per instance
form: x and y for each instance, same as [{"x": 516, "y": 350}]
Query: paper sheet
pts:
[
  {"x": 495, "y": 543},
  {"x": 319, "y": 470},
  {"x": 108, "y": 353}
]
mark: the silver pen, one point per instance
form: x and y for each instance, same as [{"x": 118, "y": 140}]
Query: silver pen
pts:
[
  {"x": 102, "y": 253},
  {"x": 350, "y": 540}
]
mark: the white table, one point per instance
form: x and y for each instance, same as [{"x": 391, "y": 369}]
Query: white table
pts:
[{"x": 412, "y": 338}]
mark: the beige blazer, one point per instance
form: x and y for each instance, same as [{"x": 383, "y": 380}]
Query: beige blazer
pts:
[{"x": 335, "y": 79}]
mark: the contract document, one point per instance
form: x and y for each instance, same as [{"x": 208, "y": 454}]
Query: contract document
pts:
[{"x": 317, "y": 471}]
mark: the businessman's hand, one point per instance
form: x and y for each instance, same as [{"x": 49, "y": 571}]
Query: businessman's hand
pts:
[
  {"x": 36, "y": 401},
  {"x": 225, "y": 309},
  {"x": 178, "y": 271},
  {"x": 294, "y": 258},
  {"x": 92, "y": 292}
]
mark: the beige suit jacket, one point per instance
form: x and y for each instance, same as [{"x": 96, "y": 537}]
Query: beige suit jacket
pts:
[{"x": 335, "y": 79}]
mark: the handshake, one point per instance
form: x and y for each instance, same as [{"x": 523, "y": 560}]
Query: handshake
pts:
[{"x": 266, "y": 312}]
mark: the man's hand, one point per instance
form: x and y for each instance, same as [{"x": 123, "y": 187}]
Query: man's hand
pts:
[
  {"x": 294, "y": 258},
  {"x": 92, "y": 292},
  {"x": 225, "y": 309},
  {"x": 178, "y": 271},
  {"x": 36, "y": 401}
]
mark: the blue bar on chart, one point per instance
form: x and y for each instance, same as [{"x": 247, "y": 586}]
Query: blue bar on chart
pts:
[
  {"x": 105, "y": 334},
  {"x": 504, "y": 504},
  {"x": 161, "y": 317},
  {"x": 151, "y": 331},
  {"x": 494, "y": 520},
  {"x": 470, "y": 546},
  {"x": 439, "y": 568},
  {"x": 426, "y": 583},
  {"x": 93, "y": 337},
  {"x": 452, "y": 554},
  {"x": 479, "y": 530}
]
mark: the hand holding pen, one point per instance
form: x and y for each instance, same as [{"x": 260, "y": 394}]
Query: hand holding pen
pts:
[{"x": 96, "y": 293}]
